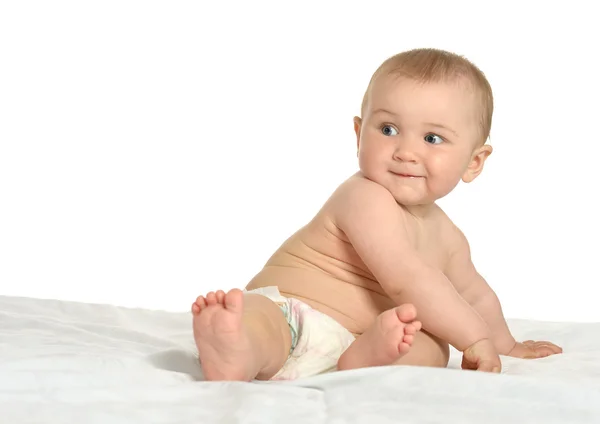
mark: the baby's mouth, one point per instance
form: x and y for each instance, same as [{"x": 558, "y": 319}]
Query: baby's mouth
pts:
[{"x": 405, "y": 175}]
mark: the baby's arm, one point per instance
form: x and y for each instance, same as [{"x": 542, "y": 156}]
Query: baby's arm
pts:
[
  {"x": 371, "y": 219},
  {"x": 475, "y": 290}
]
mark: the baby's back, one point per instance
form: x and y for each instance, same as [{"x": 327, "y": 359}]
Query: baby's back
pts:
[{"x": 319, "y": 266}]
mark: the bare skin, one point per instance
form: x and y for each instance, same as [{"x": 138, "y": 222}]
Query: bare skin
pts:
[
  {"x": 330, "y": 277},
  {"x": 386, "y": 341},
  {"x": 379, "y": 253},
  {"x": 239, "y": 337},
  {"x": 318, "y": 266}
]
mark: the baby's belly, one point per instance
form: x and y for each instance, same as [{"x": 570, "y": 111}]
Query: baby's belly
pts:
[{"x": 355, "y": 306}]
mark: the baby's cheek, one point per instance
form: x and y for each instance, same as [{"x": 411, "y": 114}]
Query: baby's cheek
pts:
[
  {"x": 444, "y": 173},
  {"x": 441, "y": 166}
]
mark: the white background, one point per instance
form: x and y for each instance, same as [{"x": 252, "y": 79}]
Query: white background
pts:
[{"x": 152, "y": 151}]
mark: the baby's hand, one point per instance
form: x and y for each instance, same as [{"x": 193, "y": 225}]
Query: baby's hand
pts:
[
  {"x": 532, "y": 350},
  {"x": 481, "y": 356}
]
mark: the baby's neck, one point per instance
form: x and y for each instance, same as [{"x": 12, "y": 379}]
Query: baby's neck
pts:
[{"x": 419, "y": 212}]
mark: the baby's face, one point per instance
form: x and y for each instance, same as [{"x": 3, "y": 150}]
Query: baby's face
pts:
[{"x": 417, "y": 139}]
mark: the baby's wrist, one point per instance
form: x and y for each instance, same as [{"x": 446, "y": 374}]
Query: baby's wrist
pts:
[
  {"x": 481, "y": 341},
  {"x": 481, "y": 334},
  {"x": 507, "y": 346}
]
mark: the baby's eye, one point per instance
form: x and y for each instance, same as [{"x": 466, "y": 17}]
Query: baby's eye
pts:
[
  {"x": 388, "y": 130},
  {"x": 433, "y": 139}
]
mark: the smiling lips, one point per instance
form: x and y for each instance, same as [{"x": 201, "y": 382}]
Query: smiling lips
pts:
[{"x": 405, "y": 175}]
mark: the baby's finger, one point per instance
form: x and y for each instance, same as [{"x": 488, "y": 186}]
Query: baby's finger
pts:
[
  {"x": 468, "y": 365},
  {"x": 488, "y": 367},
  {"x": 554, "y": 348},
  {"x": 547, "y": 351},
  {"x": 547, "y": 346}
]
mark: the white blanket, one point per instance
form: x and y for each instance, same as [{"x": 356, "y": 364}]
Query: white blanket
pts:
[{"x": 64, "y": 362}]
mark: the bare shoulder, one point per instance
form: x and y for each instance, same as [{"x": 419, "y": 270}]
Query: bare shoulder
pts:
[
  {"x": 358, "y": 190},
  {"x": 357, "y": 196}
]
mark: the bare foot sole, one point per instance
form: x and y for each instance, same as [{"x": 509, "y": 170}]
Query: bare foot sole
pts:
[
  {"x": 223, "y": 345},
  {"x": 388, "y": 339}
]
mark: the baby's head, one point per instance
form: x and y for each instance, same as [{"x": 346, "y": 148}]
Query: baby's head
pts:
[{"x": 425, "y": 118}]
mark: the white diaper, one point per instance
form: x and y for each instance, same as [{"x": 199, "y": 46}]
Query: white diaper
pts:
[{"x": 318, "y": 340}]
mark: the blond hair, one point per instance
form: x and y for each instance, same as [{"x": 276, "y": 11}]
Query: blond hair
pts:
[{"x": 433, "y": 65}]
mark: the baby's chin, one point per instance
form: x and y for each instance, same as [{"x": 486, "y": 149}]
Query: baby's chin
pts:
[{"x": 412, "y": 199}]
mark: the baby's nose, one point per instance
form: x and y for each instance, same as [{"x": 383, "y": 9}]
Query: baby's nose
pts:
[{"x": 406, "y": 152}]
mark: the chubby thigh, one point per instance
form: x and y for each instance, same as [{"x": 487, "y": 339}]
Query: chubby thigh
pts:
[
  {"x": 266, "y": 323},
  {"x": 314, "y": 341}
]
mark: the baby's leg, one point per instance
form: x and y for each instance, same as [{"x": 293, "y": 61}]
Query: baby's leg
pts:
[
  {"x": 387, "y": 340},
  {"x": 240, "y": 336}
]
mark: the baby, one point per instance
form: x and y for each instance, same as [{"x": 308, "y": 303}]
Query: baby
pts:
[{"x": 380, "y": 275}]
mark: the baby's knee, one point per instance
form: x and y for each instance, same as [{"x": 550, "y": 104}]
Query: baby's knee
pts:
[{"x": 439, "y": 350}]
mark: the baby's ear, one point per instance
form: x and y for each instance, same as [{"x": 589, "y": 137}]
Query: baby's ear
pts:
[
  {"x": 477, "y": 161},
  {"x": 357, "y": 127}
]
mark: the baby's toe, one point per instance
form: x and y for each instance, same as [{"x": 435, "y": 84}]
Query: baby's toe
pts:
[
  {"x": 198, "y": 305},
  {"x": 211, "y": 299},
  {"x": 406, "y": 313},
  {"x": 234, "y": 300},
  {"x": 410, "y": 329},
  {"x": 403, "y": 347}
]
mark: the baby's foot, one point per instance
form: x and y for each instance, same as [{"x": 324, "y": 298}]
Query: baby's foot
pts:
[
  {"x": 388, "y": 339},
  {"x": 223, "y": 345}
]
